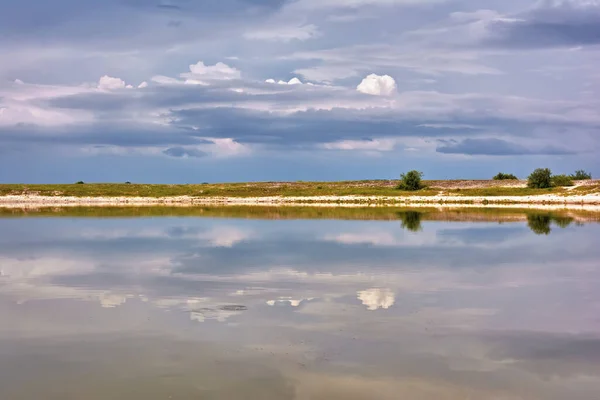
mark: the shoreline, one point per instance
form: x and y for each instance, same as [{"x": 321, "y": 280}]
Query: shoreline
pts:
[{"x": 589, "y": 201}]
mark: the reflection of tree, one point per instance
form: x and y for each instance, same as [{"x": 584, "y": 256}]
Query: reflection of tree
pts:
[
  {"x": 411, "y": 220},
  {"x": 562, "y": 221},
  {"x": 540, "y": 223}
]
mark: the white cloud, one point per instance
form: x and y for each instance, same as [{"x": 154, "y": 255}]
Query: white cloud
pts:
[
  {"x": 165, "y": 80},
  {"x": 365, "y": 145},
  {"x": 201, "y": 74},
  {"x": 284, "y": 33},
  {"x": 378, "y": 85},
  {"x": 293, "y": 81},
  {"x": 287, "y": 300},
  {"x": 143, "y": 85},
  {"x": 375, "y": 299},
  {"x": 227, "y": 147},
  {"x": 109, "y": 83}
]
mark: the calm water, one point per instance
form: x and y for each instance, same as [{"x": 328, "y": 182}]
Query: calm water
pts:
[{"x": 216, "y": 308}]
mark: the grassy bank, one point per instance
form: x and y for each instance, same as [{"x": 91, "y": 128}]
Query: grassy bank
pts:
[{"x": 289, "y": 189}]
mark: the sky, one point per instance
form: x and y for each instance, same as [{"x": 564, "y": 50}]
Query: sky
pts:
[{"x": 185, "y": 91}]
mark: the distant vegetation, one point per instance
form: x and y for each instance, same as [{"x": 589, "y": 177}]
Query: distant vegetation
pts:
[
  {"x": 411, "y": 181},
  {"x": 581, "y": 175},
  {"x": 372, "y": 188},
  {"x": 541, "y": 178},
  {"x": 79, "y": 182},
  {"x": 505, "y": 177},
  {"x": 562, "y": 180}
]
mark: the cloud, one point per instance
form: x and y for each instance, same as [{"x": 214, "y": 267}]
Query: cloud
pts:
[
  {"x": 181, "y": 152},
  {"x": 378, "y": 85},
  {"x": 315, "y": 4},
  {"x": 284, "y": 33},
  {"x": 550, "y": 23},
  {"x": 203, "y": 74},
  {"x": 375, "y": 299},
  {"x": 293, "y": 81},
  {"x": 108, "y": 83},
  {"x": 363, "y": 145},
  {"x": 168, "y": 6},
  {"x": 497, "y": 147}
]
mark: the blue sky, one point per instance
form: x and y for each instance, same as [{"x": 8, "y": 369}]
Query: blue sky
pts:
[{"x": 234, "y": 90}]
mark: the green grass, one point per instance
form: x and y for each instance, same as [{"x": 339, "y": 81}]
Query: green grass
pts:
[
  {"x": 504, "y": 191},
  {"x": 263, "y": 189}
]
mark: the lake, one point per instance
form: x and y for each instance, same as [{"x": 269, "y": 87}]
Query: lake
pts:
[{"x": 299, "y": 304}]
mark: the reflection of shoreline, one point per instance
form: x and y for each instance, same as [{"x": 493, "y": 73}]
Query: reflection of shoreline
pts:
[
  {"x": 591, "y": 201},
  {"x": 410, "y": 217}
]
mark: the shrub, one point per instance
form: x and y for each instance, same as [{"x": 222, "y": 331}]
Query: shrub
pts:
[
  {"x": 504, "y": 177},
  {"x": 128, "y": 183},
  {"x": 411, "y": 181},
  {"x": 79, "y": 182},
  {"x": 581, "y": 175},
  {"x": 541, "y": 178},
  {"x": 562, "y": 180}
]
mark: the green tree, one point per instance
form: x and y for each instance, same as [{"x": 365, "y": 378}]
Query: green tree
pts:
[
  {"x": 541, "y": 178},
  {"x": 562, "y": 180},
  {"x": 411, "y": 181},
  {"x": 581, "y": 175},
  {"x": 504, "y": 177}
]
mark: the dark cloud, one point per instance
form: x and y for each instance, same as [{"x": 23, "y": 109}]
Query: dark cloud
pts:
[
  {"x": 130, "y": 22},
  {"x": 184, "y": 152},
  {"x": 169, "y": 6},
  {"x": 566, "y": 23},
  {"x": 496, "y": 147}
]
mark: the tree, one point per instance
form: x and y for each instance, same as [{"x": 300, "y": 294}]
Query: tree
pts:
[
  {"x": 541, "y": 178},
  {"x": 562, "y": 180},
  {"x": 504, "y": 177},
  {"x": 581, "y": 175},
  {"x": 411, "y": 181}
]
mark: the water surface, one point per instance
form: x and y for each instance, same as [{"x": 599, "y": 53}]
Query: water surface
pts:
[{"x": 406, "y": 307}]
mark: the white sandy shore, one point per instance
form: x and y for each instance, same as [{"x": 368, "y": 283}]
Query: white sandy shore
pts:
[{"x": 590, "y": 201}]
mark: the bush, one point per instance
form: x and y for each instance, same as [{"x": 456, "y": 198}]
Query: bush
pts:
[
  {"x": 541, "y": 178},
  {"x": 79, "y": 182},
  {"x": 581, "y": 175},
  {"x": 504, "y": 177},
  {"x": 562, "y": 180},
  {"x": 411, "y": 181}
]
